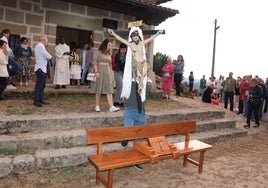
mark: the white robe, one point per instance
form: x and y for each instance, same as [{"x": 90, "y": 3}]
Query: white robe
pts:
[{"x": 62, "y": 71}]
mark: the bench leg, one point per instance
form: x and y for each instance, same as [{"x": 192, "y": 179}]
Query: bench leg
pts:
[
  {"x": 110, "y": 178},
  {"x": 201, "y": 161},
  {"x": 185, "y": 157},
  {"x": 100, "y": 179},
  {"x": 199, "y": 164},
  {"x": 98, "y": 175}
]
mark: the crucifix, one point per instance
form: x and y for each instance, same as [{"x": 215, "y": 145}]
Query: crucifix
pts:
[
  {"x": 136, "y": 47},
  {"x": 130, "y": 25}
]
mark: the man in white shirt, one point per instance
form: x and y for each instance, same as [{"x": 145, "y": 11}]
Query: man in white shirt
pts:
[
  {"x": 42, "y": 58},
  {"x": 62, "y": 70}
]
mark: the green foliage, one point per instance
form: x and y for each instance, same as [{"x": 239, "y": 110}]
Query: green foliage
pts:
[
  {"x": 159, "y": 61},
  {"x": 9, "y": 151},
  {"x": 56, "y": 143},
  {"x": 69, "y": 145},
  {"x": 27, "y": 111},
  {"x": 11, "y": 111}
]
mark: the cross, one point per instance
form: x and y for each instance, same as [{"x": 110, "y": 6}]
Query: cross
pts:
[{"x": 133, "y": 24}]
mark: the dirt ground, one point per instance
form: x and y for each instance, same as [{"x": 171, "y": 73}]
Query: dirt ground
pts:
[{"x": 240, "y": 162}]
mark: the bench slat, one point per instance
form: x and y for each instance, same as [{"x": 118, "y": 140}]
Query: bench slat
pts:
[
  {"x": 118, "y": 159},
  {"x": 115, "y": 134}
]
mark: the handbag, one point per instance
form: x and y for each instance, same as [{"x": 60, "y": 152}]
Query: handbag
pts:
[{"x": 91, "y": 77}]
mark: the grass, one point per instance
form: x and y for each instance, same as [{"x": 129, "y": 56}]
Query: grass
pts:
[
  {"x": 62, "y": 104},
  {"x": 4, "y": 151},
  {"x": 9, "y": 151},
  {"x": 69, "y": 145},
  {"x": 56, "y": 143},
  {"x": 13, "y": 110},
  {"x": 58, "y": 104},
  {"x": 27, "y": 111}
]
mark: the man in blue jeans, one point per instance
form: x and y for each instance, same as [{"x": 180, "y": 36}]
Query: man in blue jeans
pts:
[{"x": 134, "y": 113}]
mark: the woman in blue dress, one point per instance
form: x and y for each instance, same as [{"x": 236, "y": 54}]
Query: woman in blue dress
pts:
[{"x": 24, "y": 58}]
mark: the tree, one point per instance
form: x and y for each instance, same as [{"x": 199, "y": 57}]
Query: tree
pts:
[{"x": 159, "y": 61}]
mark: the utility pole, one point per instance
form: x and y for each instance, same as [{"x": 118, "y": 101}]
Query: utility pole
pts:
[{"x": 214, "y": 47}]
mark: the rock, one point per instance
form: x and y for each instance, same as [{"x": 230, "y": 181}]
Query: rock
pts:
[
  {"x": 24, "y": 164},
  {"x": 58, "y": 158},
  {"x": 5, "y": 167}
]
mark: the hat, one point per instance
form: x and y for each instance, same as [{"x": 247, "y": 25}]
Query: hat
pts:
[{"x": 4, "y": 39}]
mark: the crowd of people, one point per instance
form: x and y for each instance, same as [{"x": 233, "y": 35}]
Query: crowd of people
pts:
[
  {"x": 71, "y": 65},
  {"x": 13, "y": 66},
  {"x": 248, "y": 95}
]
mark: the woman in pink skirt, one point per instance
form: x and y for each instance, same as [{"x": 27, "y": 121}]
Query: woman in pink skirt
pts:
[{"x": 168, "y": 77}]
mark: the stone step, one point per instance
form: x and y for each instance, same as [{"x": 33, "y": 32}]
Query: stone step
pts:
[
  {"x": 184, "y": 114},
  {"x": 212, "y": 124},
  {"x": 30, "y": 142},
  {"x": 66, "y": 157},
  {"x": 26, "y": 124},
  {"x": 218, "y": 135}
]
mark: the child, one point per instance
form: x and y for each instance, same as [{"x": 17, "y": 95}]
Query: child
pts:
[{"x": 75, "y": 70}]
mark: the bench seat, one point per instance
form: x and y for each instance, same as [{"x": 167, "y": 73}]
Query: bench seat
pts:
[
  {"x": 193, "y": 147},
  {"x": 113, "y": 160}
]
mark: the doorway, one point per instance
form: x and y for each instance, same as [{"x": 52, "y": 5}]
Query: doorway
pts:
[{"x": 73, "y": 37}]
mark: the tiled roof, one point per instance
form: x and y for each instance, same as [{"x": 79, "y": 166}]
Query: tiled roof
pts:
[
  {"x": 147, "y": 10},
  {"x": 153, "y": 2},
  {"x": 154, "y": 14},
  {"x": 148, "y": 3}
]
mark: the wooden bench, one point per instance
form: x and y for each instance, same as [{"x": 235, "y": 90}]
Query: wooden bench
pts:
[{"x": 155, "y": 147}]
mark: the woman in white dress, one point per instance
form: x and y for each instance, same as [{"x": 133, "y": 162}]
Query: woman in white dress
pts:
[{"x": 75, "y": 70}]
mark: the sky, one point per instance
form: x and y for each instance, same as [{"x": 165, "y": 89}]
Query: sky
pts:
[{"x": 241, "y": 41}]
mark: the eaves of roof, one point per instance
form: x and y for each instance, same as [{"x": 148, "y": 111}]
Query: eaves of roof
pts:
[{"x": 147, "y": 10}]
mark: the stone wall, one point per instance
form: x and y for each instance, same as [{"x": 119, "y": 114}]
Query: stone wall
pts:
[{"x": 34, "y": 18}]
